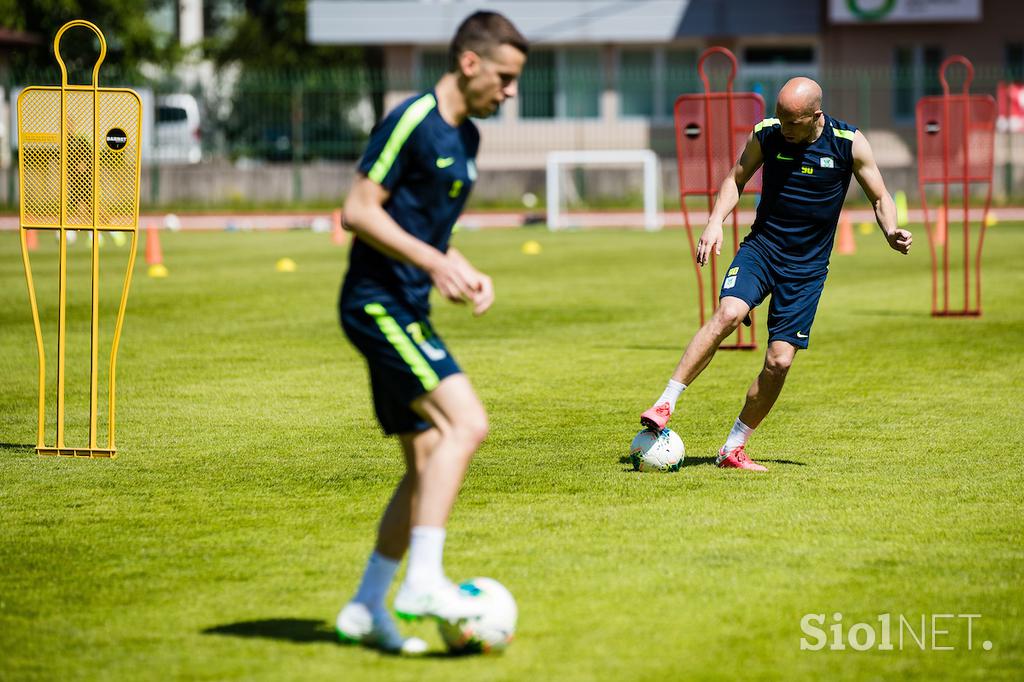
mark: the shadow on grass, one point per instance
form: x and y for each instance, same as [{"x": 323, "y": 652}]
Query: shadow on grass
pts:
[
  {"x": 704, "y": 461},
  {"x": 909, "y": 314},
  {"x": 305, "y": 631},
  {"x": 298, "y": 630},
  {"x": 697, "y": 461},
  {"x": 17, "y": 447}
]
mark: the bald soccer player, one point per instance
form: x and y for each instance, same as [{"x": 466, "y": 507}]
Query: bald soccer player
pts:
[{"x": 808, "y": 158}]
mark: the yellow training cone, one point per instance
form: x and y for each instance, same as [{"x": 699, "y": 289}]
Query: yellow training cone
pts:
[
  {"x": 991, "y": 219},
  {"x": 285, "y": 265},
  {"x": 531, "y": 248},
  {"x": 865, "y": 228},
  {"x": 902, "y": 214},
  {"x": 157, "y": 270}
]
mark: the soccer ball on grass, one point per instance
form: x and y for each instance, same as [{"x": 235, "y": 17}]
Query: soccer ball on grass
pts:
[
  {"x": 490, "y": 632},
  {"x": 653, "y": 451}
]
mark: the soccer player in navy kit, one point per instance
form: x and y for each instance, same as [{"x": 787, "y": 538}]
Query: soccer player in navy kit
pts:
[
  {"x": 414, "y": 179},
  {"x": 808, "y": 158}
]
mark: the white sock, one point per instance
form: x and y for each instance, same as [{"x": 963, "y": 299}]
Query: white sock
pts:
[
  {"x": 671, "y": 394},
  {"x": 739, "y": 435},
  {"x": 426, "y": 548},
  {"x": 380, "y": 571}
]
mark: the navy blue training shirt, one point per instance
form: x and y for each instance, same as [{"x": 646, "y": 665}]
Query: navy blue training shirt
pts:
[
  {"x": 803, "y": 188},
  {"x": 429, "y": 168}
]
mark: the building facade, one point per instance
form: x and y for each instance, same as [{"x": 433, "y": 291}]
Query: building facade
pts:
[{"x": 604, "y": 74}]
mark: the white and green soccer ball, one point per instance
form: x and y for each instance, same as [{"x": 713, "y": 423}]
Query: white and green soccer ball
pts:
[
  {"x": 490, "y": 632},
  {"x": 653, "y": 451}
]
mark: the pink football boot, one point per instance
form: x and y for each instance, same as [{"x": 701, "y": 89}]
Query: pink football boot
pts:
[
  {"x": 737, "y": 459},
  {"x": 657, "y": 417}
]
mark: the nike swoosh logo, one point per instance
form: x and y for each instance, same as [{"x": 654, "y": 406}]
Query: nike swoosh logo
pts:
[
  {"x": 445, "y": 161},
  {"x": 780, "y": 157},
  {"x": 801, "y": 335}
]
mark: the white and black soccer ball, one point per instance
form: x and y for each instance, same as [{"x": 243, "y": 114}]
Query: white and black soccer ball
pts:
[
  {"x": 490, "y": 632},
  {"x": 653, "y": 451}
]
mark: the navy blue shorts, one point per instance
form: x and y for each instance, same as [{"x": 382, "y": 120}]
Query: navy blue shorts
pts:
[
  {"x": 751, "y": 278},
  {"x": 405, "y": 356}
]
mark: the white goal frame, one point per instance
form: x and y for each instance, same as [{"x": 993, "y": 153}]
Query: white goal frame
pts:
[{"x": 607, "y": 157}]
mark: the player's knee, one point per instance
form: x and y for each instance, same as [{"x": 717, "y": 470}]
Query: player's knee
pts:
[
  {"x": 478, "y": 430},
  {"x": 778, "y": 368},
  {"x": 730, "y": 314},
  {"x": 472, "y": 429},
  {"x": 778, "y": 363}
]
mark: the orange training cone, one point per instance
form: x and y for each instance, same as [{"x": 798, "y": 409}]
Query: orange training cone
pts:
[
  {"x": 337, "y": 233},
  {"x": 940, "y": 227},
  {"x": 31, "y": 240},
  {"x": 845, "y": 244},
  {"x": 154, "y": 256}
]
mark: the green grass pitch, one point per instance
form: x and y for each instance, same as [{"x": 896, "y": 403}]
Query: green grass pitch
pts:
[{"x": 236, "y": 519}]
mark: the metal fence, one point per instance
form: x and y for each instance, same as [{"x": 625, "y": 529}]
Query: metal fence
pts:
[{"x": 254, "y": 118}]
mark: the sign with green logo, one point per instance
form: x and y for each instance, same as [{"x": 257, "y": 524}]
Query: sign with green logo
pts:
[{"x": 896, "y": 11}]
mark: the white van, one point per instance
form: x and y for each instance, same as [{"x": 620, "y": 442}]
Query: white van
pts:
[{"x": 178, "y": 139}]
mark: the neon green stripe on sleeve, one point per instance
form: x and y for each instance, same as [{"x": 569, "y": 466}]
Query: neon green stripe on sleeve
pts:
[
  {"x": 412, "y": 117},
  {"x": 765, "y": 122},
  {"x": 845, "y": 134},
  {"x": 404, "y": 345}
]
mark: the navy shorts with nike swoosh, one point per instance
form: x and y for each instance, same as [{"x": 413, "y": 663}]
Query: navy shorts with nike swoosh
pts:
[
  {"x": 751, "y": 278},
  {"x": 405, "y": 356}
]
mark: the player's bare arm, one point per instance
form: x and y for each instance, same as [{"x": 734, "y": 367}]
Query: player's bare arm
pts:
[
  {"x": 728, "y": 197},
  {"x": 870, "y": 178},
  {"x": 364, "y": 215}
]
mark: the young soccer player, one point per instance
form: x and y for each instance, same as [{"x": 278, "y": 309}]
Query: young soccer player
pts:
[
  {"x": 808, "y": 159},
  {"x": 414, "y": 179}
]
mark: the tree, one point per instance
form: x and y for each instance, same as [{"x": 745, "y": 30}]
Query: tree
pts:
[
  {"x": 131, "y": 38},
  {"x": 291, "y": 99},
  {"x": 271, "y": 34}
]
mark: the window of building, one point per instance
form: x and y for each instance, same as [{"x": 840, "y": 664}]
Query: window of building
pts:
[
  {"x": 562, "y": 84},
  {"x": 650, "y": 80},
  {"x": 915, "y": 75},
  {"x": 678, "y": 76},
  {"x": 433, "y": 64},
  {"x": 766, "y": 68},
  {"x": 635, "y": 77},
  {"x": 581, "y": 83},
  {"x": 903, "y": 83},
  {"x": 537, "y": 86},
  {"x": 784, "y": 54},
  {"x": 932, "y": 57},
  {"x": 1015, "y": 61}
]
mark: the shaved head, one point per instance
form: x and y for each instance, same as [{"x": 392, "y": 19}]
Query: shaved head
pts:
[
  {"x": 800, "y": 97},
  {"x": 798, "y": 108}
]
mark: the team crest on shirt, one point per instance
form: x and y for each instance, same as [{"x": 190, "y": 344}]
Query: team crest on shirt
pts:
[
  {"x": 827, "y": 162},
  {"x": 422, "y": 338}
]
